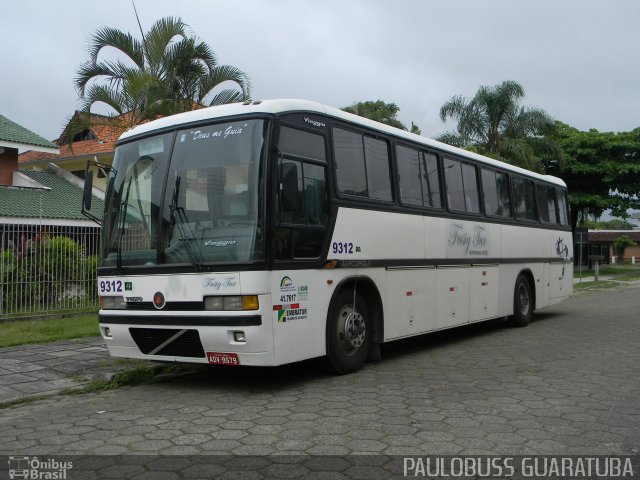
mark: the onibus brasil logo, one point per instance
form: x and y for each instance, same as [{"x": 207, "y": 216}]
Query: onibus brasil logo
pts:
[{"x": 38, "y": 469}]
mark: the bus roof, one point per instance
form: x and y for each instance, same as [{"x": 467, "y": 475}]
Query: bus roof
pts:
[{"x": 290, "y": 105}]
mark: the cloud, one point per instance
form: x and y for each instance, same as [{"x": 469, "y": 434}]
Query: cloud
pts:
[{"x": 576, "y": 58}]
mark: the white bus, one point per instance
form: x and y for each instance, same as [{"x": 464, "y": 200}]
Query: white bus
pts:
[{"x": 270, "y": 232}]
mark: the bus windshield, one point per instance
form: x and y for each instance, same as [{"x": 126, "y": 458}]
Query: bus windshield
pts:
[{"x": 187, "y": 197}]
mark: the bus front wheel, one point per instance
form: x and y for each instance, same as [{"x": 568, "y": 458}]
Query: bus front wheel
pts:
[
  {"x": 522, "y": 302},
  {"x": 348, "y": 333}
]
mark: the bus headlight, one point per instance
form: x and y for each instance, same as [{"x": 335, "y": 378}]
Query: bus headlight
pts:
[
  {"x": 232, "y": 303},
  {"x": 112, "y": 303},
  {"x": 213, "y": 303}
]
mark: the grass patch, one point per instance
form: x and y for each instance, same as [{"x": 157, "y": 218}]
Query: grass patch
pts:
[
  {"x": 599, "y": 283},
  {"x": 628, "y": 277},
  {"x": 23, "y": 401},
  {"x": 22, "y": 332},
  {"x": 610, "y": 270},
  {"x": 140, "y": 375},
  {"x": 136, "y": 376},
  {"x": 584, "y": 274},
  {"x": 614, "y": 270}
]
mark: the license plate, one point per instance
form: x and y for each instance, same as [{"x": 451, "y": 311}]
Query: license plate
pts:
[{"x": 217, "y": 358}]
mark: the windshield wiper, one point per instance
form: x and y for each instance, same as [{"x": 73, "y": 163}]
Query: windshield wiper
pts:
[
  {"x": 123, "y": 212},
  {"x": 182, "y": 222}
]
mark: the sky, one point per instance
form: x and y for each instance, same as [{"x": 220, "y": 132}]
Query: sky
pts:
[{"x": 576, "y": 59}]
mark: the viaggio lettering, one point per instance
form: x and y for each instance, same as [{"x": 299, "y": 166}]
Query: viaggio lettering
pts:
[{"x": 315, "y": 123}]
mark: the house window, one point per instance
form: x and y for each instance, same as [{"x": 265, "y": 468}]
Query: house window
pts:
[{"x": 84, "y": 135}]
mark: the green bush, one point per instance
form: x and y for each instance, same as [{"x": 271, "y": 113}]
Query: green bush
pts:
[
  {"x": 53, "y": 270},
  {"x": 620, "y": 244}
]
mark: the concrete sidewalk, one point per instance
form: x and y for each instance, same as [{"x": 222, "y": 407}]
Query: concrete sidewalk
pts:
[{"x": 47, "y": 368}]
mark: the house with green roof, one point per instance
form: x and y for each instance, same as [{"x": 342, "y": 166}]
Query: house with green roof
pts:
[
  {"x": 13, "y": 135},
  {"x": 13, "y": 138},
  {"x": 51, "y": 197},
  {"x": 47, "y": 197}
]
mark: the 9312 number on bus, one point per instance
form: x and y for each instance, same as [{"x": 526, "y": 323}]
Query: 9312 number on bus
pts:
[
  {"x": 109, "y": 286},
  {"x": 342, "y": 247}
]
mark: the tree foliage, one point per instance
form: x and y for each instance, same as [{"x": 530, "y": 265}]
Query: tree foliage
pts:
[
  {"x": 494, "y": 123},
  {"x": 382, "y": 112},
  {"x": 614, "y": 224},
  {"x": 620, "y": 244},
  {"x": 601, "y": 169},
  {"x": 167, "y": 71}
]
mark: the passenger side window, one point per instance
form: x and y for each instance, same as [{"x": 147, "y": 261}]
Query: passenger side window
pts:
[
  {"x": 362, "y": 165},
  {"x": 495, "y": 188},
  {"x": 462, "y": 186},
  {"x": 562, "y": 208},
  {"x": 376, "y": 155},
  {"x": 431, "y": 172},
  {"x": 547, "y": 204},
  {"x": 302, "y": 144},
  {"x": 312, "y": 196},
  {"x": 419, "y": 177},
  {"x": 409, "y": 176},
  {"x": 524, "y": 199}
]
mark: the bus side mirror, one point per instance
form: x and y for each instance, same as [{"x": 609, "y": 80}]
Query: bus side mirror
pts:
[
  {"x": 288, "y": 187},
  {"x": 88, "y": 188}
]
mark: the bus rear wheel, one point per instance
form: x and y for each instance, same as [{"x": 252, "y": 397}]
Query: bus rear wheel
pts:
[
  {"x": 522, "y": 302},
  {"x": 348, "y": 333}
]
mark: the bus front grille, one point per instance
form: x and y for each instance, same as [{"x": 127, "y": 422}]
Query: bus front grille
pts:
[
  {"x": 171, "y": 342},
  {"x": 173, "y": 306}
]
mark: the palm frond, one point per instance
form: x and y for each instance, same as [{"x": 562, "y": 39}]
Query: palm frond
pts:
[
  {"x": 227, "y": 96},
  {"x": 518, "y": 152},
  {"x": 112, "y": 37},
  {"x": 225, "y": 73},
  {"x": 453, "y": 138},
  {"x": 106, "y": 95},
  {"x": 89, "y": 71},
  {"x": 158, "y": 39},
  {"x": 453, "y": 108}
]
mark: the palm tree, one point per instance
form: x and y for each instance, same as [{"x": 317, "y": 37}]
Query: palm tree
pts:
[
  {"x": 167, "y": 71},
  {"x": 493, "y": 123}
]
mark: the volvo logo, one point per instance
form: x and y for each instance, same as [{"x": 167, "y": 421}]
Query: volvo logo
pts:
[{"x": 158, "y": 300}]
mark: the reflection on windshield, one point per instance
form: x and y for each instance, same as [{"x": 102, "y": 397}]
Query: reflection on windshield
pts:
[{"x": 201, "y": 207}]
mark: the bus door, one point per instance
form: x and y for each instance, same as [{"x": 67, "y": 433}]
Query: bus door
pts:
[{"x": 302, "y": 211}]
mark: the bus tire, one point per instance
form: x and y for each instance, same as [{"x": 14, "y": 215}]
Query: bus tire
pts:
[
  {"x": 348, "y": 333},
  {"x": 522, "y": 302}
]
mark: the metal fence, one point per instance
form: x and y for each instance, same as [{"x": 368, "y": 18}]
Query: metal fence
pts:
[{"x": 47, "y": 269}]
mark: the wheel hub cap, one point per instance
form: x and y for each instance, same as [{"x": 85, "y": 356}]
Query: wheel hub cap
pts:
[{"x": 354, "y": 329}]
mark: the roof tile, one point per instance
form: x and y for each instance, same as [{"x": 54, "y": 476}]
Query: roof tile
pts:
[
  {"x": 63, "y": 201},
  {"x": 14, "y": 133}
]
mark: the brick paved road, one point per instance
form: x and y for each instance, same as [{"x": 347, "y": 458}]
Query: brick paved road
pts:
[
  {"x": 568, "y": 383},
  {"x": 45, "y": 369}
]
